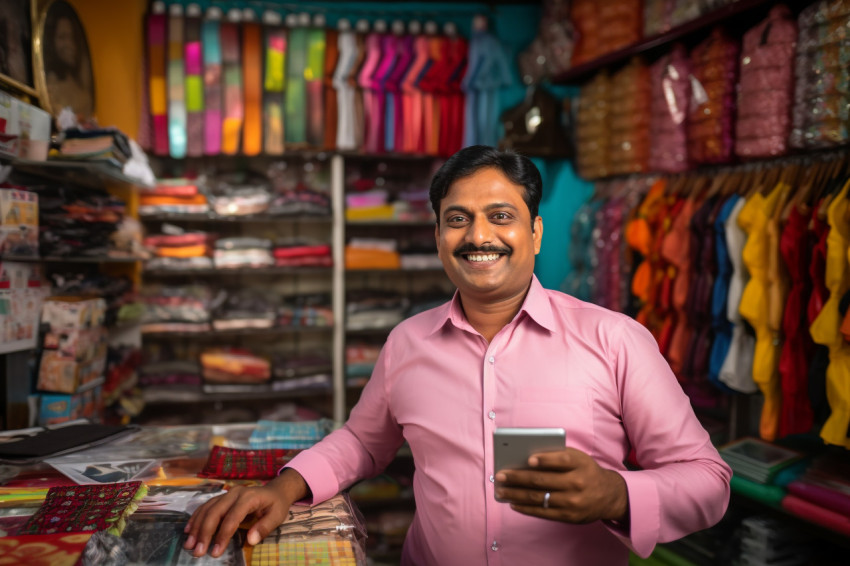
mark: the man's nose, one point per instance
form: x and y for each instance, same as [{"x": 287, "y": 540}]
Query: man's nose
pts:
[{"x": 481, "y": 231}]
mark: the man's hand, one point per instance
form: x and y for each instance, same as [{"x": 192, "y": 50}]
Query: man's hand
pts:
[
  {"x": 222, "y": 515},
  {"x": 579, "y": 490}
]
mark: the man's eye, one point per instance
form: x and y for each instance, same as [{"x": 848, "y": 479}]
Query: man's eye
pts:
[
  {"x": 501, "y": 216},
  {"x": 456, "y": 219}
]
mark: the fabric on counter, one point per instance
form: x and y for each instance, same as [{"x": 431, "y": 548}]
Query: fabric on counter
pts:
[{"x": 232, "y": 463}]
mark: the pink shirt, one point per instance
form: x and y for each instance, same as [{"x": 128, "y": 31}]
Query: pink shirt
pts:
[{"x": 560, "y": 363}]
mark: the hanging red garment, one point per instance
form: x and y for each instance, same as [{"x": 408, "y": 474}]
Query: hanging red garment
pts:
[{"x": 795, "y": 245}]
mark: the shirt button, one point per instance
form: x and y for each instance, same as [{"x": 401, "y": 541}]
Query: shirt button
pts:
[
  {"x": 492, "y": 359},
  {"x": 492, "y": 415},
  {"x": 495, "y": 546},
  {"x": 492, "y": 478}
]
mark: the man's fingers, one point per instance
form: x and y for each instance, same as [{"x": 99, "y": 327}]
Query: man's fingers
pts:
[
  {"x": 561, "y": 460},
  {"x": 525, "y": 496},
  {"x": 265, "y": 525}
]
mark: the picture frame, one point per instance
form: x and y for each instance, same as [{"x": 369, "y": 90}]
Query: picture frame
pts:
[
  {"x": 16, "y": 60},
  {"x": 62, "y": 62}
]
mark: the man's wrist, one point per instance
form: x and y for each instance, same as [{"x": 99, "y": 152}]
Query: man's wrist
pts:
[{"x": 290, "y": 485}]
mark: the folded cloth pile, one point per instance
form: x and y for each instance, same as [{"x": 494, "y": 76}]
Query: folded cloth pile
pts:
[
  {"x": 289, "y": 435},
  {"x": 173, "y": 196},
  {"x": 368, "y": 205},
  {"x": 242, "y": 251},
  {"x": 170, "y": 373},
  {"x": 306, "y": 310},
  {"x": 302, "y": 252},
  {"x": 302, "y": 202},
  {"x": 302, "y": 371},
  {"x": 244, "y": 309},
  {"x": 176, "y": 309},
  {"x": 360, "y": 360},
  {"x": 76, "y": 222},
  {"x": 420, "y": 256},
  {"x": 189, "y": 250},
  {"x": 372, "y": 253},
  {"x": 233, "y": 365},
  {"x": 374, "y": 309}
]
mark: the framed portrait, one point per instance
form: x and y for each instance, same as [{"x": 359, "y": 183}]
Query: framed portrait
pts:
[
  {"x": 16, "y": 46},
  {"x": 62, "y": 61}
]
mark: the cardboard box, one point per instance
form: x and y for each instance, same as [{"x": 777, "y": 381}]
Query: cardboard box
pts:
[
  {"x": 57, "y": 408},
  {"x": 24, "y": 129}
]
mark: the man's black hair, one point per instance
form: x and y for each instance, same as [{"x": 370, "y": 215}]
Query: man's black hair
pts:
[{"x": 468, "y": 161}]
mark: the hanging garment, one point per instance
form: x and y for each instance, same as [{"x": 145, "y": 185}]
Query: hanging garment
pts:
[
  {"x": 737, "y": 368},
  {"x": 158, "y": 87},
  {"x": 488, "y": 71},
  {"x": 755, "y": 304},
  {"x": 211, "y": 40},
  {"x": 671, "y": 94},
  {"x": 639, "y": 236},
  {"x": 412, "y": 103},
  {"x": 176, "y": 88},
  {"x": 766, "y": 86},
  {"x": 825, "y": 330},
  {"x": 797, "y": 347},
  {"x": 295, "y": 116},
  {"x": 345, "y": 130},
  {"x": 430, "y": 82},
  {"x": 331, "y": 117},
  {"x": 580, "y": 282},
  {"x": 721, "y": 324},
  {"x": 359, "y": 102},
  {"x": 194, "y": 87},
  {"x": 231, "y": 125},
  {"x": 372, "y": 124},
  {"x": 676, "y": 250},
  {"x": 666, "y": 312},
  {"x": 451, "y": 113},
  {"x": 820, "y": 295},
  {"x": 376, "y": 135},
  {"x": 314, "y": 74},
  {"x": 274, "y": 85},
  {"x": 395, "y": 102},
  {"x": 252, "y": 84}
]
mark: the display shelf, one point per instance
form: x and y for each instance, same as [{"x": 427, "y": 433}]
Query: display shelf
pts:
[
  {"x": 70, "y": 259},
  {"x": 83, "y": 173},
  {"x": 385, "y": 271},
  {"x": 164, "y": 396},
  {"x": 214, "y": 334},
  {"x": 723, "y": 14},
  {"x": 368, "y": 331},
  {"x": 258, "y": 218},
  {"x": 814, "y": 529},
  {"x": 237, "y": 271},
  {"x": 392, "y": 222}
]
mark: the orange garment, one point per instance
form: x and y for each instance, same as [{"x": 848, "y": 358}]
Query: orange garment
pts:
[
  {"x": 826, "y": 328},
  {"x": 198, "y": 250},
  {"x": 361, "y": 258},
  {"x": 639, "y": 236},
  {"x": 159, "y": 200},
  {"x": 661, "y": 317},
  {"x": 676, "y": 250},
  {"x": 755, "y": 303}
]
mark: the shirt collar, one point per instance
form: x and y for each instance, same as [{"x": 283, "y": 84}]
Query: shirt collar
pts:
[{"x": 536, "y": 306}]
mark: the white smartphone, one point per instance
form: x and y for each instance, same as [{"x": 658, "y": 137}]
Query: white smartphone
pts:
[{"x": 513, "y": 446}]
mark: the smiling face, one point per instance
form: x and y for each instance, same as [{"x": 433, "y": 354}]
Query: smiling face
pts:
[{"x": 485, "y": 238}]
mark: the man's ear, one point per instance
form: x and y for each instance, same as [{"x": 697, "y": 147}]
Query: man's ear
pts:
[{"x": 537, "y": 234}]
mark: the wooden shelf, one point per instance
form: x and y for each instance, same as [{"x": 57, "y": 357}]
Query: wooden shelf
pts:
[
  {"x": 400, "y": 271},
  {"x": 726, "y": 13},
  {"x": 381, "y": 223},
  {"x": 214, "y": 334},
  {"x": 71, "y": 259},
  {"x": 237, "y": 271},
  {"x": 82, "y": 173},
  {"x": 162, "y": 396},
  {"x": 215, "y": 218}
]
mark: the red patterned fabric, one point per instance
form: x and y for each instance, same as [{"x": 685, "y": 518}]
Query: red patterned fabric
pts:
[
  {"x": 82, "y": 508},
  {"x": 230, "y": 463}
]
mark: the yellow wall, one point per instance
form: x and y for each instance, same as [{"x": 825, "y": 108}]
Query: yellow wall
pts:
[{"x": 114, "y": 29}]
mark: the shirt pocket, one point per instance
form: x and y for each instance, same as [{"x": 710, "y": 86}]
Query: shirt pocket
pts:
[{"x": 570, "y": 408}]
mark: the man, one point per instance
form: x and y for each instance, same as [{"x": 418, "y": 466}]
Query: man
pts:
[{"x": 506, "y": 352}]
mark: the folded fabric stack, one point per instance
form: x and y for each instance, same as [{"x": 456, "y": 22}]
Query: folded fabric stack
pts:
[
  {"x": 302, "y": 371},
  {"x": 368, "y": 205},
  {"x": 231, "y": 463},
  {"x": 123, "y": 304},
  {"x": 302, "y": 252},
  {"x": 173, "y": 196},
  {"x": 414, "y": 205},
  {"x": 306, "y": 310},
  {"x": 77, "y": 221},
  {"x": 232, "y": 365},
  {"x": 372, "y": 253},
  {"x": 629, "y": 105},
  {"x": 176, "y": 309},
  {"x": 239, "y": 252},
  {"x": 246, "y": 309},
  {"x": 360, "y": 360},
  {"x": 301, "y": 201},
  {"x": 373, "y": 309},
  {"x": 189, "y": 250},
  {"x": 420, "y": 256},
  {"x": 101, "y": 144},
  {"x": 170, "y": 373},
  {"x": 242, "y": 201},
  {"x": 289, "y": 435},
  {"x": 822, "y": 493}
]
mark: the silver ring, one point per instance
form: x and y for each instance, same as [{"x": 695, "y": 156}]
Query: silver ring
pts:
[{"x": 546, "y": 500}]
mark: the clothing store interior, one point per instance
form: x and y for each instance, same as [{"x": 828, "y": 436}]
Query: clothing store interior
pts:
[{"x": 237, "y": 317}]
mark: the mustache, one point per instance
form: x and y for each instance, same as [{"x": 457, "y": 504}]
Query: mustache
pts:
[{"x": 468, "y": 248}]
